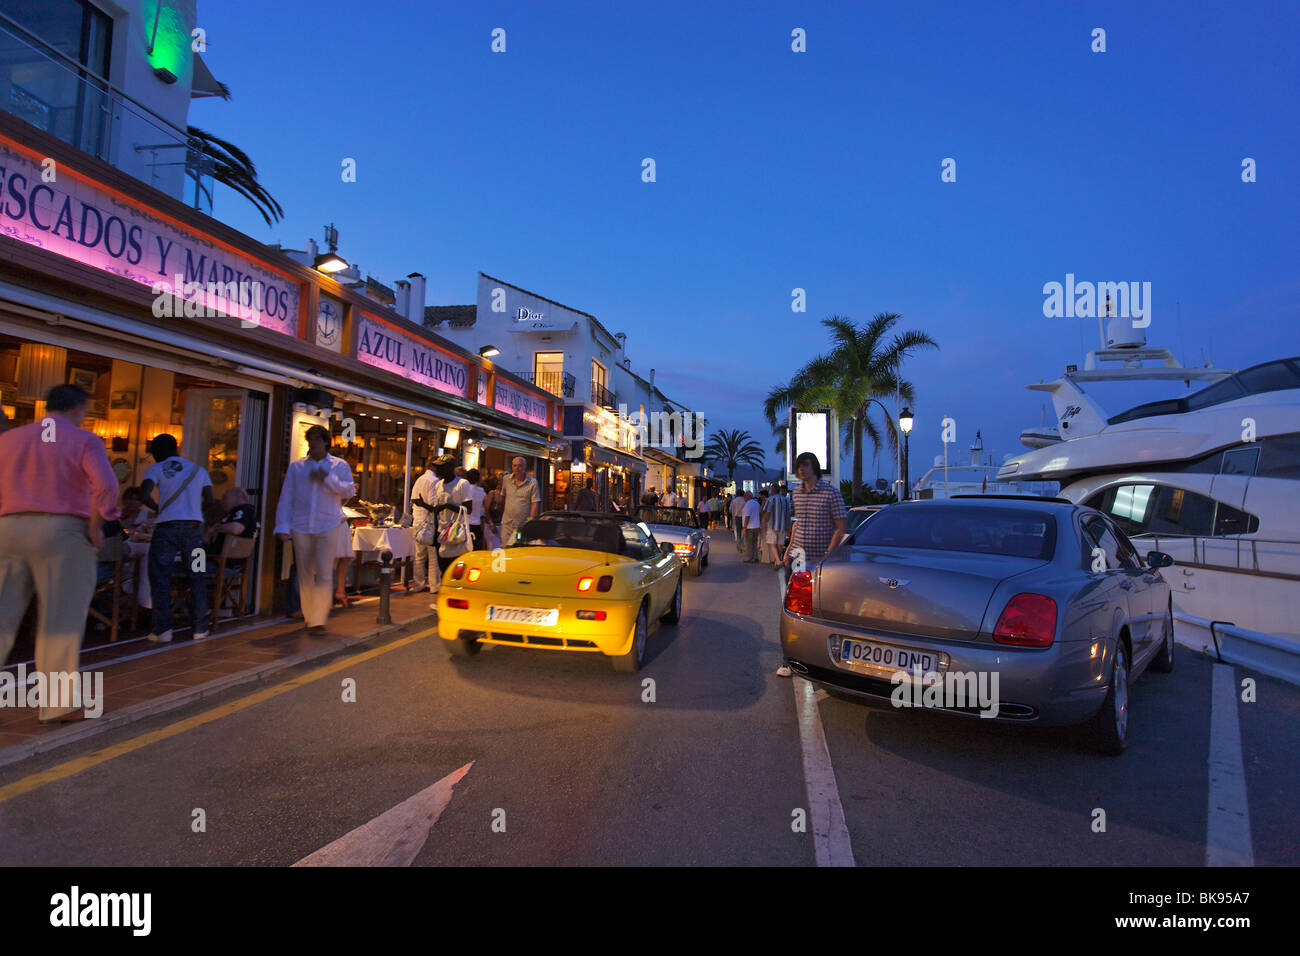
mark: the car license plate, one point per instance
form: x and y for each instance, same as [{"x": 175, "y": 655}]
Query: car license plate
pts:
[
  {"x": 888, "y": 657},
  {"x": 545, "y": 617}
]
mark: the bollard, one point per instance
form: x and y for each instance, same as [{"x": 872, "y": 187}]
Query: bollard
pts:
[{"x": 385, "y": 579}]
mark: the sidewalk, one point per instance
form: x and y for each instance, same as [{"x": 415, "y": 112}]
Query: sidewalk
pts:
[{"x": 143, "y": 679}]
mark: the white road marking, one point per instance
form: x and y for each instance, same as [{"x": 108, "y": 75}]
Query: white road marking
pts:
[
  {"x": 831, "y": 843},
  {"x": 1227, "y": 827},
  {"x": 395, "y": 837}
]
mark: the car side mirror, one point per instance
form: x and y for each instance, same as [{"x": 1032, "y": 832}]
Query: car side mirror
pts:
[
  {"x": 1158, "y": 559},
  {"x": 667, "y": 548}
]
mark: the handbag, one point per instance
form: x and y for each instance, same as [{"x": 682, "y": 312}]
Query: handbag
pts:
[
  {"x": 426, "y": 535},
  {"x": 454, "y": 538}
]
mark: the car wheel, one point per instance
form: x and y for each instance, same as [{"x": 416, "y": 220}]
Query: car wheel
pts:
[
  {"x": 1164, "y": 659},
  {"x": 696, "y": 567},
  {"x": 1109, "y": 728},
  {"x": 463, "y": 647},
  {"x": 631, "y": 662},
  {"x": 674, "y": 612}
]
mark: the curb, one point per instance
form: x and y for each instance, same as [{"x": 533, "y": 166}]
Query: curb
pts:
[{"x": 160, "y": 705}]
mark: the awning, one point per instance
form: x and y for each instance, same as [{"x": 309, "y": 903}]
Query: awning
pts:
[
  {"x": 205, "y": 84},
  {"x": 600, "y": 455}
]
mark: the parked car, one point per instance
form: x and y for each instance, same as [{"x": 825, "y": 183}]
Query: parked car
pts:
[{"x": 1048, "y": 595}]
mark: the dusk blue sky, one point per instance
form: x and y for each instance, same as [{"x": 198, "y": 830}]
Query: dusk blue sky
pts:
[{"x": 777, "y": 170}]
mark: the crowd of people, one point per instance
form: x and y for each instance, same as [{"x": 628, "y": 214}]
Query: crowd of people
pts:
[{"x": 59, "y": 506}]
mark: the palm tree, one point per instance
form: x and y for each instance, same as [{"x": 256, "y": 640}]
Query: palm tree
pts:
[
  {"x": 734, "y": 448},
  {"x": 231, "y": 166},
  {"x": 861, "y": 366}
]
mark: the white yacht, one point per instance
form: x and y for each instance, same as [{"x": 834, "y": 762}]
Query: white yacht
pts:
[{"x": 1211, "y": 477}]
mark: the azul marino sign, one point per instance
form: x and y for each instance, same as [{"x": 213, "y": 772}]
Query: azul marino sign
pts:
[
  {"x": 383, "y": 346},
  {"x": 520, "y": 404},
  {"x": 72, "y": 217}
]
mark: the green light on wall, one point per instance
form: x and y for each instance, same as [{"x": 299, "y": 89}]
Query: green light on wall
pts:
[{"x": 166, "y": 38}]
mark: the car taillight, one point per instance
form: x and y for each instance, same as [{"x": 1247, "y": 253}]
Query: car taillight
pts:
[
  {"x": 591, "y": 615},
  {"x": 798, "y": 593},
  {"x": 474, "y": 574},
  {"x": 605, "y": 583},
  {"x": 458, "y": 571},
  {"x": 586, "y": 584},
  {"x": 458, "y": 603},
  {"x": 1028, "y": 620},
  {"x": 684, "y": 548}
]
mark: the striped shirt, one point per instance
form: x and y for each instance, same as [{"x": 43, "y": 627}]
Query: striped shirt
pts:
[
  {"x": 777, "y": 510},
  {"x": 815, "y": 514}
]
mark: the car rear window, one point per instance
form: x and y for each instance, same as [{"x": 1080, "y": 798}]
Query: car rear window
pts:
[{"x": 1008, "y": 531}]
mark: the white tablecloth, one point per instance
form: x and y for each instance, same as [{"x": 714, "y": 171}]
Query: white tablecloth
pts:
[{"x": 388, "y": 537}]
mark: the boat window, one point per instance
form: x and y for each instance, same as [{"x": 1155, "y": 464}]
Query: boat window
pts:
[
  {"x": 1280, "y": 457},
  {"x": 1178, "y": 511},
  {"x": 1269, "y": 378},
  {"x": 1239, "y": 461},
  {"x": 1229, "y": 520},
  {"x": 1224, "y": 391}
]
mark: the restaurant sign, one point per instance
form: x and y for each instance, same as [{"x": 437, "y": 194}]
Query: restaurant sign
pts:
[
  {"x": 72, "y": 217},
  {"x": 383, "y": 346},
  {"x": 515, "y": 401}
]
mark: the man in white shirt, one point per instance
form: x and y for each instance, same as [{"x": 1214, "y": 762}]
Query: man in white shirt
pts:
[
  {"x": 423, "y": 491},
  {"x": 184, "y": 490},
  {"x": 522, "y": 500},
  {"x": 669, "y": 499},
  {"x": 753, "y": 518},
  {"x": 737, "y": 521},
  {"x": 310, "y": 512}
]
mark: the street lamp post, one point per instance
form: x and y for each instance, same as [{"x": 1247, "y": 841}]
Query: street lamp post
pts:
[{"x": 905, "y": 423}]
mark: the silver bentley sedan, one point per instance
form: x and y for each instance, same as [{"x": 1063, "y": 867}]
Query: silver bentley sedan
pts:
[
  {"x": 680, "y": 528},
  {"x": 1018, "y": 609}
]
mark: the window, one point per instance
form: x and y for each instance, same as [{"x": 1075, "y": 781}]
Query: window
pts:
[
  {"x": 1171, "y": 511},
  {"x": 1239, "y": 461},
  {"x": 1099, "y": 534},
  {"x": 1280, "y": 457},
  {"x": 1269, "y": 378},
  {"x": 548, "y": 371},
  {"x": 42, "y": 87}
]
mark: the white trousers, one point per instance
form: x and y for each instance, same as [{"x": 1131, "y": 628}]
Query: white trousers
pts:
[{"x": 314, "y": 555}]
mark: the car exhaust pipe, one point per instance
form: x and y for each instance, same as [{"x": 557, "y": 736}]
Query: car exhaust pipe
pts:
[{"x": 798, "y": 668}]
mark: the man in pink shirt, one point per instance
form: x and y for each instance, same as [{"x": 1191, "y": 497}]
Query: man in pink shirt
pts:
[{"x": 56, "y": 491}]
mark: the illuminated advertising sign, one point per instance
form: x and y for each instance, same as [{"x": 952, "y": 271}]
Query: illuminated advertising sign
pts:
[
  {"x": 811, "y": 432},
  {"x": 515, "y": 401},
  {"x": 74, "y": 218},
  {"x": 383, "y": 346}
]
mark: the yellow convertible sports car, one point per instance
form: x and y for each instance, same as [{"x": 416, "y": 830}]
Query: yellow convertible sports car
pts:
[{"x": 570, "y": 581}]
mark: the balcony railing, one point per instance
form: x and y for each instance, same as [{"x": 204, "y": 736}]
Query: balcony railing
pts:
[
  {"x": 560, "y": 384},
  {"x": 601, "y": 396},
  {"x": 53, "y": 92}
]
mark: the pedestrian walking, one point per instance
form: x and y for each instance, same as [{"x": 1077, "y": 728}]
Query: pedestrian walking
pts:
[
  {"x": 477, "y": 495},
  {"x": 450, "y": 497},
  {"x": 493, "y": 504},
  {"x": 57, "y": 489},
  {"x": 752, "y": 516},
  {"x": 522, "y": 500},
  {"x": 776, "y": 525},
  {"x": 738, "y": 522},
  {"x": 184, "y": 491},
  {"x": 820, "y": 520},
  {"x": 702, "y": 512},
  {"x": 309, "y": 513}
]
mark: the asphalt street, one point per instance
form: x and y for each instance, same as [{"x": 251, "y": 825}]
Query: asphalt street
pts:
[{"x": 697, "y": 760}]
